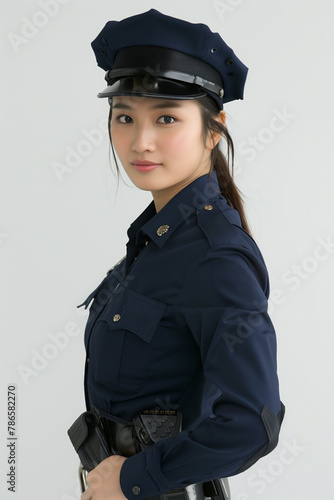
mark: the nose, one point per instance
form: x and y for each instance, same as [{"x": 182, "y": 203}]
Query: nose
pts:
[{"x": 143, "y": 139}]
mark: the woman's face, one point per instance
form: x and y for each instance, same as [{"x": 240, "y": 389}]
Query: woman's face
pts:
[{"x": 159, "y": 143}]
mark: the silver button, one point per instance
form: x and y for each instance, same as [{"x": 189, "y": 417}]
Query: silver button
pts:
[
  {"x": 147, "y": 242},
  {"x": 117, "y": 317},
  {"x": 208, "y": 207},
  {"x": 136, "y": 490},
  {"x": 162, "y": 230}
]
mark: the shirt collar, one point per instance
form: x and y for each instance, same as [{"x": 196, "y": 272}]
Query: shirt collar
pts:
[{"x": 160, "y": 226}]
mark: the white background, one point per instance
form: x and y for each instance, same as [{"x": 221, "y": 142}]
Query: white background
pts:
[{"x": 59, "y": 234}]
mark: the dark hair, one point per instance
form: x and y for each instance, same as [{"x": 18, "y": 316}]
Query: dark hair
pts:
[{"x": 219, "y": 163}]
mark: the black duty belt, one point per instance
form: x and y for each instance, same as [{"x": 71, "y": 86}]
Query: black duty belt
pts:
[{"x": 96, "y": 435}]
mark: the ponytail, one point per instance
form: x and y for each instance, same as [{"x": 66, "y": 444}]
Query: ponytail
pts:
[{"x": 219, "y": 162}]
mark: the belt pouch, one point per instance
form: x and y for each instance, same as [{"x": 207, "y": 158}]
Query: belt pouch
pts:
[{"x": 87, "y": 437}]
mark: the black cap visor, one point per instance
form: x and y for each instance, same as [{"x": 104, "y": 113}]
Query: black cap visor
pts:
[{"x": 149, "y": 86}]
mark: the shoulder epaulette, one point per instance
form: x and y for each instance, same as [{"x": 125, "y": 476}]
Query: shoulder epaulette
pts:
[{"x": 219, "y": 225}]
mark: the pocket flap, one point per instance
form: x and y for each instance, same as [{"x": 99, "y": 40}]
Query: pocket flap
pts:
[{"x": 134, "y": 312}]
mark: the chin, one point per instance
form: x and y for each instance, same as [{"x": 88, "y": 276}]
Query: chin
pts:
[
  {"x": 147, "y": 181},
  {"x": 151, "y": 186},
  {"x": 144, "y": 184}
]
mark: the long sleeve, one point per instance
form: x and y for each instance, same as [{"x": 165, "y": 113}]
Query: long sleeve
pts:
[{"x": 241, "y": 409}]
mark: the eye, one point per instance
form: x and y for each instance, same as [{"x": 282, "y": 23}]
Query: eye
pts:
[
  {"x": 166, "y": 119},
  {"x": 124, "y": 119}
]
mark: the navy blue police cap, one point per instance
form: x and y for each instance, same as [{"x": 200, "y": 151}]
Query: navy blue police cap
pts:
[{"x": 155, "y": 55}]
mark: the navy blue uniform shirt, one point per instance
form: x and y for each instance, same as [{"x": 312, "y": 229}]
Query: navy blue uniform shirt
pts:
[{"x": 181, "y": 323}]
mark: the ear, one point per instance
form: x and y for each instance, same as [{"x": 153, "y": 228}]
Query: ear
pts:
[{"x": 215, "y": 137}]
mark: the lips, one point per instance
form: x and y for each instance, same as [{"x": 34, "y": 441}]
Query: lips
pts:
[
  {"x": 145, "y": 166},
  {"x": 144, "y": 162}
]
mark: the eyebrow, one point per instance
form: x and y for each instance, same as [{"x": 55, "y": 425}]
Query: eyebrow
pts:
[{"x": 163, "y": 105}]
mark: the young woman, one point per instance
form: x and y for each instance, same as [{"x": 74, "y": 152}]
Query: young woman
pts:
[{"x": 180, "y": 326}]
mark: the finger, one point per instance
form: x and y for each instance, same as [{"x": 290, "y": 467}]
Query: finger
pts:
[{"x": 86, "y": 495}]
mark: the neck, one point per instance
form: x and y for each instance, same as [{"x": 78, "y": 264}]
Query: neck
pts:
[{"x": 162, "y": 196}]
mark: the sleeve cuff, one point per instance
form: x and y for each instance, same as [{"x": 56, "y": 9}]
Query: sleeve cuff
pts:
[{"x": 136, "y": 482}]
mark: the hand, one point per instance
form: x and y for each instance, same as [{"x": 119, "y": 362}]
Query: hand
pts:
[{"x": 103, "y": 481}]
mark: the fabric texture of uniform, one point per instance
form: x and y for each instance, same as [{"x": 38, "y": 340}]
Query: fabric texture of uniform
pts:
[{"x": 181, "y": 323}]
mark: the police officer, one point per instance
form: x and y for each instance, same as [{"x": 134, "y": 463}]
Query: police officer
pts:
[{"x": 181, "y": 323}]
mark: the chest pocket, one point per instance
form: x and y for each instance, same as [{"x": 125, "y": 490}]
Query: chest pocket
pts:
[{"x": 121, "y": 343}]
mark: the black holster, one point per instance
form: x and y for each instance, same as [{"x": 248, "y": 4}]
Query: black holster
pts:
[{"x": 97, "y": 435}]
